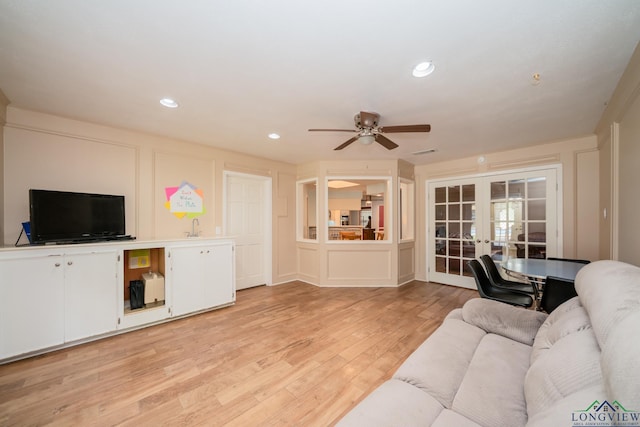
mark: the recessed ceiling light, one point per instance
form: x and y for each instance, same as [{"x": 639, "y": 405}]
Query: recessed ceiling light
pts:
[
  {"x": 274, "y": 136},
  {"x": 423, "y": 69},
  {"x": 168, "y": 102}
]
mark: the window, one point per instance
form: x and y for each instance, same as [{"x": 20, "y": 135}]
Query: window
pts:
[
  {"x": 307, "y": 203},
  {"x": 358, "y": 208}
]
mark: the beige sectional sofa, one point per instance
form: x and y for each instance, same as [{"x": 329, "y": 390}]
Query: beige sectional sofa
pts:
[{"x": 490, "y": 364}]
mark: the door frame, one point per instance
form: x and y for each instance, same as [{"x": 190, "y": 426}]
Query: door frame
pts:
[
  {"x": 559, "y": 203},
  {"x": 267, "y": 215}
]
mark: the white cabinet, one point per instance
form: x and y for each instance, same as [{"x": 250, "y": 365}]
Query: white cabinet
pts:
[
  {"x": 52, "y": 296},
  {"x": 90, "y": 303},
  {"x": 219, "y": 283},
  {"x": 201, "y": 277},
  {"x": 31, "y": 301},
  {"x": 51, "y": 299}
]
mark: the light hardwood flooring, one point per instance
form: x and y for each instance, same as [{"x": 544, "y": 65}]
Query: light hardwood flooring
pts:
[{"x": 292, "y": 354}]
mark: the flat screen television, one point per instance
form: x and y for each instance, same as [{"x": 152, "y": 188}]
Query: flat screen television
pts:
[{"x": 69, "y": 217}]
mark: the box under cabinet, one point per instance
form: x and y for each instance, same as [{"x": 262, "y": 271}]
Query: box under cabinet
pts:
[{"x": 140, "y": 262}]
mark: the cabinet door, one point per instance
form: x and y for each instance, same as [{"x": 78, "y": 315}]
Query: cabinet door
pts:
[
  {"x": 91, "y": 286},
  {"x": 187, "y": 279},
  {"x": 219, "y": 286},
  {"x": 31, "y": 304}
]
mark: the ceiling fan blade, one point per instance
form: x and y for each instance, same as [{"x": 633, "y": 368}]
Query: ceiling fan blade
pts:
[
  {"x": 369, "y": 120},
  {"x": 406, "y": 128},
  {"x": 385, "y": 142},
  {"x": 344, "y": 144},
  {"x": 332, "y": 130}
]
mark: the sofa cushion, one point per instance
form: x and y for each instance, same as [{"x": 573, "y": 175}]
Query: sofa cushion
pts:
[
  {"x": 394, "y": 403},
  {"x": 439, "y": 364},
  {"x": 609, "y": 291},
  {"x": 620, "y": 360},
  {"x": 491, "y": 393},
  {"x": 561, "y": 412},
  {"x": 503, "y": 319},
  {"x": 568, "y": 318},
  {"x": 571, "y": 364},
  {"x": 449, "y": 418}
]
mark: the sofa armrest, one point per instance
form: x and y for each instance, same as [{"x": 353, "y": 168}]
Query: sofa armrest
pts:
[{"x": 498, "y": 318}]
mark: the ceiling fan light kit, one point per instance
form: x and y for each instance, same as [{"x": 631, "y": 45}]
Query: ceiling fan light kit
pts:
[
  {"x": 368, "y": 131},
  {"x": 366, "y": 139}
]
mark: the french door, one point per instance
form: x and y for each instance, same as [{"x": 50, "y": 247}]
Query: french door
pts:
[{"x": 503, "y": 215}]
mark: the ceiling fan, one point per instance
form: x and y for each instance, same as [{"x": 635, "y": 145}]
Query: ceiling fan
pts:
[{"x": 369, "y": 131}]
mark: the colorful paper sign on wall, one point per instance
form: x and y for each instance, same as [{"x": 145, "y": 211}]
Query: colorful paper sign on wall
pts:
[{"x": 185, "y": 199}]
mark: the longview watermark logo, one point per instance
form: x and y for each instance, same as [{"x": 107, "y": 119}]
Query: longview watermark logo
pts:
[{"x": 604, "y": 414}]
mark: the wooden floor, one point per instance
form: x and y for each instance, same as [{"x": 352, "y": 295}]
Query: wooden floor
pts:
[{"x": 292, "y": 354}]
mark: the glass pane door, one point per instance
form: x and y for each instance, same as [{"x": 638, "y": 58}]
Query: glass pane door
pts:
[
  {"x": 454, "y": 231},
  {"x": 503, "y": 215},
  {"x": 521, "y": 209}
]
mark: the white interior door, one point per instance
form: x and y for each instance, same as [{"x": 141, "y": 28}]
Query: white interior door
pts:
[
  {"x": 248, "y": 222},
  {"x": 503, "y": 215}
]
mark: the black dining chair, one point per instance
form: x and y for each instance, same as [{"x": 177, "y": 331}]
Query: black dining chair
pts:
[
  {"x": 487, "y": 290},
  {"x": 497, "y": 280},
  {"x": 580, "y": 261},
  {"x": 556, "y": 291}
]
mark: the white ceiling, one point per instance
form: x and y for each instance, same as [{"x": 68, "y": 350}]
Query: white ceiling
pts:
[{"x": 241, "y": 69}]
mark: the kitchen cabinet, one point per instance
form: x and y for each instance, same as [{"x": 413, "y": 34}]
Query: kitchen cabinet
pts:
[
  {"x": 201, "y": 277},
  {"x": 57, "y": 296},
  {"x": 54, "y": 298},
  {"x": 90, "y": 302},
  {"x": 31, "y": 301}
]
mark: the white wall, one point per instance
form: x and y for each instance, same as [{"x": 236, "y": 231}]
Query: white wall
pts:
[
  {"x": 3, "y": 118},
  {"x": 628, "y": 192},
  {"x": 565, "y": 152},
  {"x": 619, "y": 142},
  {"x": 50, "y": 152}
]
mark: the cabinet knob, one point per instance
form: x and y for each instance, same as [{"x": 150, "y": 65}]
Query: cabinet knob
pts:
[
  {"x": 486, "y": 241},
  {"x": 57, "y": 264},
  {"x": 69, "y": 262}
]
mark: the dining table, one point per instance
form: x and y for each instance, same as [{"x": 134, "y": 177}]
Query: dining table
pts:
[{"x": 536, "y": 271}]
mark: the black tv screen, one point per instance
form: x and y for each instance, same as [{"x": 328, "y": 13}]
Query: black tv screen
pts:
[{"x": 63, "y": 216}]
